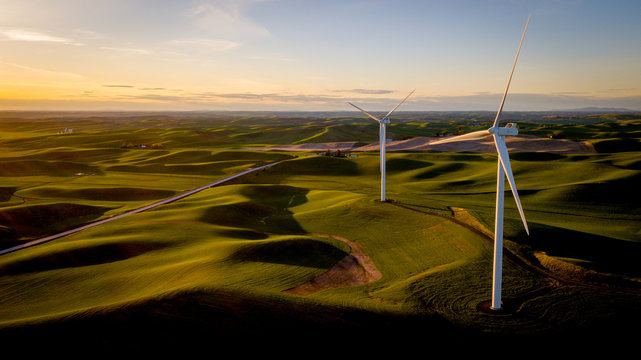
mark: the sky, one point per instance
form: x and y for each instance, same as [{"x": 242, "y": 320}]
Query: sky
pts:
[{"x": 315, "y": 55}]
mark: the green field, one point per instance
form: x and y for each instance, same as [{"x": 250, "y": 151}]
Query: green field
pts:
[{"x": 222, "y": 261}]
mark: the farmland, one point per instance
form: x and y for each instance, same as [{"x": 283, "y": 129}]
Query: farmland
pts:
[{"x": 225, "y": 260}]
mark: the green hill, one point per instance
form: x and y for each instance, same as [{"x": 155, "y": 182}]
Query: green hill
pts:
[{"x": 220, "y": 264}]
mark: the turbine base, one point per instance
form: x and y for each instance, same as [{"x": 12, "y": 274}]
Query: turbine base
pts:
[
  {"x": 486, "y": 307},
  {"x": 387, "y": 200}
]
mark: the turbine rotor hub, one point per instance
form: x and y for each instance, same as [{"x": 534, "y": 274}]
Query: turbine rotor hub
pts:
[{"x": 509, "y": 130}]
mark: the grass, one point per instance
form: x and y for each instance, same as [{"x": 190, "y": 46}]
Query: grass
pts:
[{"x": 218, "y": 263}]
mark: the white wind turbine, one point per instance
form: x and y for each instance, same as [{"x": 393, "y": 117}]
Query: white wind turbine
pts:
[
  {"x": 499, "y": 134},
  {"x": 382, "y": 137}
]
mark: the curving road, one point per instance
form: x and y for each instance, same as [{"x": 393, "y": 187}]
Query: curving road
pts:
[{"x": 144, "y": 208}]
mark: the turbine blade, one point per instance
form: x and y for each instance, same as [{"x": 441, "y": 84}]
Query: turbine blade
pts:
[
  {"x": 399, "y": 104},
  {"x": 504, "y": 157},
  {"x": 469, "y": 136},
  {"x": 364, "y": 112},
  {"x": 498, "y": 114}
]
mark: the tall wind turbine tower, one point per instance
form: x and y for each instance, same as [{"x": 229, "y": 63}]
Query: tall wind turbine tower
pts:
[
  {"x": 382, "y": 138},
  {"x": 504, "y": 170}
]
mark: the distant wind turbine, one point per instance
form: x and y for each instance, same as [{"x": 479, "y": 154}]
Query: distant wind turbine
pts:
[
  {"x": 499, "y": 134},
  {"x": 382, "y": 135}
]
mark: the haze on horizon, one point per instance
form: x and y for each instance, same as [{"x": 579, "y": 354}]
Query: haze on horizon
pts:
[{"x": 316, "y": 55}]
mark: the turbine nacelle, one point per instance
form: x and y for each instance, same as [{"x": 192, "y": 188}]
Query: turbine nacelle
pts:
[
  {"x": 385, "y": 121},
  {"x": 508, "y": 130}
]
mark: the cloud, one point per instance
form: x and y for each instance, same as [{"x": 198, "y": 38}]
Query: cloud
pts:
[
  {"x": 88, "y": 34},
  {"x": 128, "y": 50},
  {"x": 15, "y": 34},
  {"x": 117, "y": 86},
  {"x": 271, "y": 58},
  {"x": 366, "y": 91},
  {"x": 627, "y": 90},
  {"x": 270, "y": 101},
  {"x": 43, "y": 72},
  {"x": 153, "y": 97},
  {"x": 225, "y": 17},
  {"x": 205, "y": 44},
  {"x": 268, "y": 97},
  {"x": 571, "y": 93},
  {"x": 246, "y": 98}
]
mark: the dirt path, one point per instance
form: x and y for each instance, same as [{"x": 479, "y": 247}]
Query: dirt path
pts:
[{"x": 354, "y": 269}]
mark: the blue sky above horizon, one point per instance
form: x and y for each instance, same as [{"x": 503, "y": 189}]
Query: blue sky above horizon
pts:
[{"x": 316, "y": 55}]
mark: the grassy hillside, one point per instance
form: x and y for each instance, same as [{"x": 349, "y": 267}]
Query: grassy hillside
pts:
[{"x": 221, "y": 263}]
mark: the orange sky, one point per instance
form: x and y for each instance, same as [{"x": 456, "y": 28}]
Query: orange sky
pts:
[{"x": 312, "y": 55}]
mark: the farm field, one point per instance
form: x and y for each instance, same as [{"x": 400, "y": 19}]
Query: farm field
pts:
[{"x": 304, "y": 247}]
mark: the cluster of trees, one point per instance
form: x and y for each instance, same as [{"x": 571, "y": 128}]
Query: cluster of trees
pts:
[{"x": 337, "y": 153}]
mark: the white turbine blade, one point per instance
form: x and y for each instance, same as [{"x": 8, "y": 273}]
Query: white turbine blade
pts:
[
  {"x": 498, "y": 114},
  {"x": 399, "y": 104},
  {"x": 501, "y": 149},
  {"x": 364, "y": 112},
  {"x": 469, "y": 136}
]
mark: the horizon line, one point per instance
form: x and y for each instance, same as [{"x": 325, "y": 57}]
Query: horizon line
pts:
[{"x": 584, "y": 109}]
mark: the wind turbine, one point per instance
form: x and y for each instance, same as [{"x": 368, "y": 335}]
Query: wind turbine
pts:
[
  {"x": 499, "y": 134},
  {"x": 382, "y": 135}
]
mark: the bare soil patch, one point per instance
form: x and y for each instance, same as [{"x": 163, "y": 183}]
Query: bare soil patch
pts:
[{"x": 354, "y": 269}]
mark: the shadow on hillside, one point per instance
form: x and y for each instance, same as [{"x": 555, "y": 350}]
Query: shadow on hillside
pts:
[
  {"x": 442, "y": 169},
  {"x": 187, "y": 324},
  {"x": 298, "y": 252},
  {"x": 600, "y": 253},
  {"x": 85, "y": 256},
  {"x": 400, "y": 165},
  {"x": 266, "y": 211},
  {"x": 46, "y": 168},
  {"x": 40, "y": 220}
]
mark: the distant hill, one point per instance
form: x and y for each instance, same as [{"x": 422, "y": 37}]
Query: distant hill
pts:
[{"x": 593, "y": 109}]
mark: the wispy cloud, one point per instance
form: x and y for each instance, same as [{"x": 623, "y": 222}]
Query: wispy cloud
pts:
[
  {"x": 225, "y": 17},
  {"x": 365, "y": 91},
  {"x": 43, "y": 72},
  {"x": 154, "y": 97},
  {"x": 271, "y": 58},
  {"x": 205, "y": 44},
  {"x": 16, "y": 34},
  {"x": 117, "y": 86},
  {"x": 215, "y": 97},
  {"x": 88, "y": 34},
  {"x": 311, "y": 102},
  {"x": 128, "y": 50},
  {"x": 628, "y": 90},
  {"x": 571, "y": 93}
]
